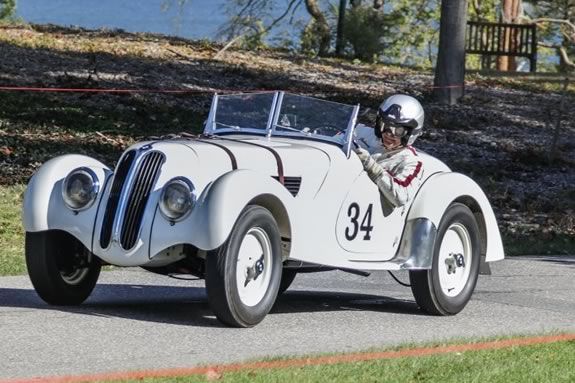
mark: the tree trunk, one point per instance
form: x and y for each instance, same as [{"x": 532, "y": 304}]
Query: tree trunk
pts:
[
  {"x": 340, "y": 25},
  {"x": 450, "y": 68},
  {"x": 321, "y": 25},
  {"x": 511, "y": 12}
]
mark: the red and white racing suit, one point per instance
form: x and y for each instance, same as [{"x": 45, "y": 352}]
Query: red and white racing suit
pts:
[{"x": 402, "y": 170}]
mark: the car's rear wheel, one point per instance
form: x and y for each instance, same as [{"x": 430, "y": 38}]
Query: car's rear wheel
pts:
[
  {"x": 447, "y": 287},
  {"x": 243, "y": 275},
  {"x": 62, "y": 271}
]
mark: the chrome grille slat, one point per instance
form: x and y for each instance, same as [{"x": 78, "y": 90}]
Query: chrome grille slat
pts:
[
  {"x": 119, "y": 177},
  {"x": 145, "y": 177},
  {"x": 138, "y": 189},
  {"x": 139, "y": 193}
]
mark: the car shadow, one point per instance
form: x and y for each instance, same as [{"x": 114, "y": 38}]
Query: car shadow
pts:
[
  {"x": 294, "y": 301},
  {"x": 188, "y": 306},
  {"x": 564, "y": 261}
]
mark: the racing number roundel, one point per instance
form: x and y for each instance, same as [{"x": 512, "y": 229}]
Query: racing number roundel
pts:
[{"x": 362, "y": 229}]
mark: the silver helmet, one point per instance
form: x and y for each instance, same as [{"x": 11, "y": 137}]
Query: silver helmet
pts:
[{"x": 401, "y": 111}]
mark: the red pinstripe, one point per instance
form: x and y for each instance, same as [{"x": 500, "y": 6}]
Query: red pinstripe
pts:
[{"x": 407, "y": 181}]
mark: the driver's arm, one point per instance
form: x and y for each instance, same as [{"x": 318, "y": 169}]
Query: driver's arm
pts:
[
  {"x": 397, "y": 177},
  {"x": 400, "y": 183}
]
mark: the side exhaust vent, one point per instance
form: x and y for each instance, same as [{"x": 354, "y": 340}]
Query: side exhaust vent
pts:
[{"x": 292, "y": 184}]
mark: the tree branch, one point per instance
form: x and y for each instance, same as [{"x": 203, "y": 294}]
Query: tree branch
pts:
[
  {"x": 281, "y": 17},
  {"x": 550, "y": 20},
  {"x": 565, "y": 57}
]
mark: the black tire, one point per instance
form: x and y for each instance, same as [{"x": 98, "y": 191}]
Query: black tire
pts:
[
  {"x": 426, "y": 285},
  {"x": 221, "y": 264},
  {"x": 288, "y": 275},
  {"x": 63, "y": 272}
]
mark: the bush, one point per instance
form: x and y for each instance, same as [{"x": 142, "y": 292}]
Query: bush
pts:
[
  {"x": 365, "y": 29},
  {"x": 7, "y": 8}
]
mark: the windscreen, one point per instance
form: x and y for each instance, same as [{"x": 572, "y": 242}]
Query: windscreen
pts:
[
  {"x": 244, "y": 111},
  {"x": 313, "y": 117}
]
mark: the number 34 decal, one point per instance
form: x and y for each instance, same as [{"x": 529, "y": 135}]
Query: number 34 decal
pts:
[{"x": 353, "y": 211}]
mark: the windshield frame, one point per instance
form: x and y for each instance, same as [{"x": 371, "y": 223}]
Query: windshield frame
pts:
[{"x": 270, "y": 130}]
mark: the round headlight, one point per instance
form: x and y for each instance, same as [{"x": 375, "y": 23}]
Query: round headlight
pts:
[
  {"x": 178, "y": 198},
  {"x": 80, "y": 189}
]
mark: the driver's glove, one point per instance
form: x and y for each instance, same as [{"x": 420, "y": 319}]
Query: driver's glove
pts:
[{"x": 372, "y": 168}]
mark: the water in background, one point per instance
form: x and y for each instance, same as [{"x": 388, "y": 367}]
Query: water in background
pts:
[{"x": 198, "y": 19}]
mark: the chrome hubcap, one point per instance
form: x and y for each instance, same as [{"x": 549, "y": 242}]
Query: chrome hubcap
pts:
[
  {"x": 454, "y": 260},
  {"x": 253, "y": 273}
]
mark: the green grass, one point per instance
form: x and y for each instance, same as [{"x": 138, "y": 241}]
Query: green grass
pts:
[
  {"x": 11, "y": 231},
  {"x": 552, "y": 362}
]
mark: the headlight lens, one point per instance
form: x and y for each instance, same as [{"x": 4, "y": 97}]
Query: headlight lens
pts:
[
  {"x": 80, "y": 189},
  {"x": 178, "y": 198}
]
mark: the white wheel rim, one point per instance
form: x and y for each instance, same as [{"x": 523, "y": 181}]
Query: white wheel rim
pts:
[
  {"x": 254, "y": 244},
  {"x": 455, "y": 245}
]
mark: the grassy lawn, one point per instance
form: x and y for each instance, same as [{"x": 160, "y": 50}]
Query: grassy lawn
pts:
[
  {"x": 551, "y": 362},
  {"x": 11, "y": 232}
]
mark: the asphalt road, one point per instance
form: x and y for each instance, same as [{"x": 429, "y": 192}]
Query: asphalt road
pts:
[{"x": 135, "y": 320}]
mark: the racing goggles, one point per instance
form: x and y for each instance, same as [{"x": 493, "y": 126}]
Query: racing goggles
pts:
[
  {"x": 390, "y": 123},
  {"x": 395, "y": 130}
]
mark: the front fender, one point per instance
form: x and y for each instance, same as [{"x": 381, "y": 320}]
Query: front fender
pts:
[
  {"x": 218, "y": 208},
  {"x": 438, "y": 192},
  {"x": 44, "y": 209}
]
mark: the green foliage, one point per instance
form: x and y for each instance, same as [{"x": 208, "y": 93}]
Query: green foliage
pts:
[
  {"x": 7, "y": 8},
  {"x": 414, "y": 36},
  {"x": 484, "y": 10},
  {"x": 401, "y": 32},
  {"x": 253, "y": 32},
  {"x": 11, "y": 231},
  {"x": 311, "y": 38},
  {"x": 365, "y": 30}
]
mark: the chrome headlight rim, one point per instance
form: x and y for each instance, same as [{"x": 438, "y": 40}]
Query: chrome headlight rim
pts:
[
  {"x": 95, "y": 189},
  {"x": 166, "y": 213}
]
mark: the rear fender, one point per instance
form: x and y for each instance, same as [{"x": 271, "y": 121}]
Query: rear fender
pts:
[
  {"x": 218, "y": 208},
  {"x": 434, "y": 197},
  {"x": 44, "y": 209}
]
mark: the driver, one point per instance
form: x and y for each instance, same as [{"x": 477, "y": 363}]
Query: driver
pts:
[{"x": 390, "y": 161}]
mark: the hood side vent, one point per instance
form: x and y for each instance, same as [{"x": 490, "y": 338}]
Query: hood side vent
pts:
[{"x": 292, "y": 184}]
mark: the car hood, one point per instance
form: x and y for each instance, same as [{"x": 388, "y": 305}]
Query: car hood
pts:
[{"x": 306, "y": 163}]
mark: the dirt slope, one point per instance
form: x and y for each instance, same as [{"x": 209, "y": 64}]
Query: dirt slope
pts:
[{"x": 499, "y": 135}]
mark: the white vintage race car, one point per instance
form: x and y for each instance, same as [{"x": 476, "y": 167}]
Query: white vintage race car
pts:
[{"x": 271, "y": 188}]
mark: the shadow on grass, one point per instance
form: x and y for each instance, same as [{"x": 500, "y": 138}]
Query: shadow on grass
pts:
[{"x": 188, "y": 305}]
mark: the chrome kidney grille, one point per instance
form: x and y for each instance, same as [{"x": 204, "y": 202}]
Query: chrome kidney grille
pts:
[{"x": 134, "y": 179}]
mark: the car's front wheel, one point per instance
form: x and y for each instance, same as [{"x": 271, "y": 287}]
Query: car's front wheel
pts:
[
  {"x": 446, "y": 288},
  {"x": 62, "y": 271},
  {"x": 243, "y": 275}
]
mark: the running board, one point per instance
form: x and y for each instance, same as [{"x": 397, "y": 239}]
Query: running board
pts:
[{"x": 307, "y": 267}]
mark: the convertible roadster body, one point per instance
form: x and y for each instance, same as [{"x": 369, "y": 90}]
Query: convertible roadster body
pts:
[{"x": 271, "y": 188}]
